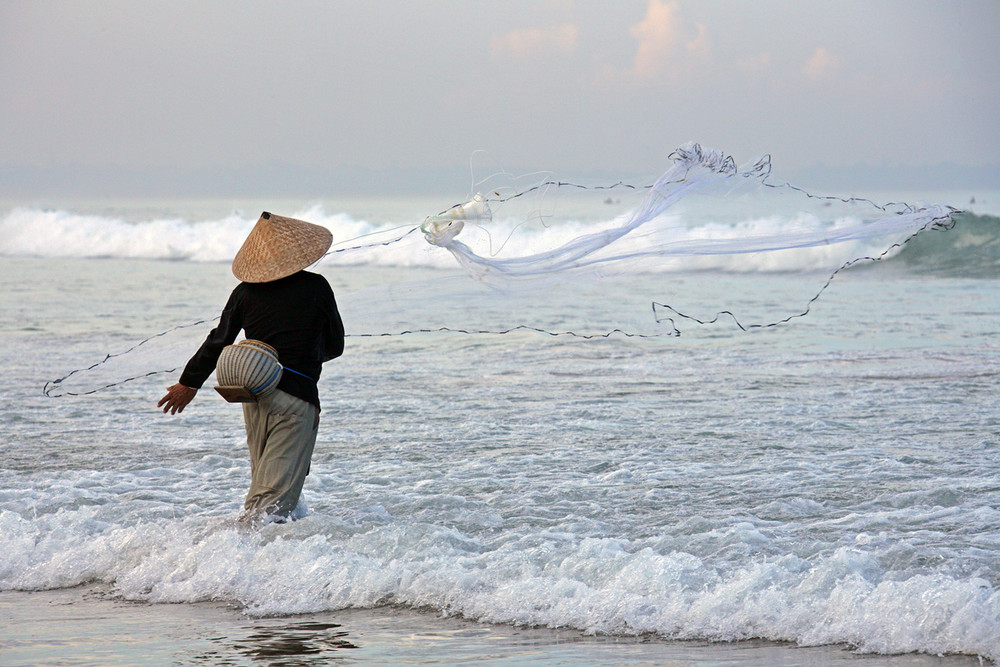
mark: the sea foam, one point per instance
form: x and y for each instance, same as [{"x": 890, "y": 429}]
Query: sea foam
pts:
[
  {"x": 598, "y": 585},
  {"x": 738, "y": 245}
]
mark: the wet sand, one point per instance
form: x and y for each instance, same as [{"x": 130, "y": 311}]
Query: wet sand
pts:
[{"x": 87, "y": 626}]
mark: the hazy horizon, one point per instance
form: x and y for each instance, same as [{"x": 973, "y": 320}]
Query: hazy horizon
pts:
[{"x": 280, "y": 180}]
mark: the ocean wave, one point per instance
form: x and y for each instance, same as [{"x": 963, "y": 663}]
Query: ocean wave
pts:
[
  {"x": 66, "y": 234},
  {"x": 597, "y": 585},
  {"x": 971, "y": 248}
]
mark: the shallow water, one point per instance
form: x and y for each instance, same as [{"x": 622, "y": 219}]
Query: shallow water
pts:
[
  {"x": 83, "y": 626},
  {"x": 830, "y": 482},
  {"x": 569, "y": 452}
]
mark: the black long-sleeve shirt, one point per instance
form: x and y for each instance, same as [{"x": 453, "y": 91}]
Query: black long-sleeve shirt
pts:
[{"x": 296, "y": 315}]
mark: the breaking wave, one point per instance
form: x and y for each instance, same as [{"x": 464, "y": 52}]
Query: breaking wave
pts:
[
  {"x": 599, "y": 585},
  {"x": 971, "y": 248}
]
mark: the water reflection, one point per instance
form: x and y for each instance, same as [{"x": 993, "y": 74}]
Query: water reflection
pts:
[{"x": 276, "y": 643}]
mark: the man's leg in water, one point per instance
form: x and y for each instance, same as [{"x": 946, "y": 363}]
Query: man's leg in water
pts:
[{"x": 281, "y": 435}]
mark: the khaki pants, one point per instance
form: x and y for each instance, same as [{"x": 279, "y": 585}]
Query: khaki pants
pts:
[{"x": 281, "y": 434}]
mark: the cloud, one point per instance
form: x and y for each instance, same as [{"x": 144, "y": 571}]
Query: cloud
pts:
[
  {"x": 820, "y": 64},
  {"x": 662, "y": 41},
  {"x": 534, "y": 42}
]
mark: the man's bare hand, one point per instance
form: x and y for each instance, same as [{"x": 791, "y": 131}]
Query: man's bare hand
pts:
[{"x": 178, "y": 396}]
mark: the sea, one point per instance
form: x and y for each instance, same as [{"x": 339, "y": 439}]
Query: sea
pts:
[{"x": 737, "y": 459}]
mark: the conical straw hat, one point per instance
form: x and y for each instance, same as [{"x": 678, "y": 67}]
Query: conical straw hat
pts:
[{"x": 278, "y": 247}]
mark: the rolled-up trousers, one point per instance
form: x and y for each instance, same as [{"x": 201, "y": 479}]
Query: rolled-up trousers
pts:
[{"x": 281, "y": 434}]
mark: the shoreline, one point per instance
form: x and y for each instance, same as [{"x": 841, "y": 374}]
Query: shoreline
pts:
[{"x": 86, "y": 625}]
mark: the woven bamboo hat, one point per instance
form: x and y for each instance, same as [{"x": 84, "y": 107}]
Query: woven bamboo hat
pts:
[{"x": 278, "y": 247}]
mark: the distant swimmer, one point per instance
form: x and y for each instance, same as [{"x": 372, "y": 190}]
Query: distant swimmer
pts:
[{"x": 288, "y": 314}]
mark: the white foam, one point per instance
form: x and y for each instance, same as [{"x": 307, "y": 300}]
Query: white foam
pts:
[
  {"x": 732, "y": 246},
  {"x": 535, "y": 577}
]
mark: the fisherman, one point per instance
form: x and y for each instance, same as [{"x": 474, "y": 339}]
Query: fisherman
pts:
[{"x": 293, "y": 311}]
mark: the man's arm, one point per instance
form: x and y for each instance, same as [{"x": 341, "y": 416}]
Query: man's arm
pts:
[{"x": 201, "y": 365}]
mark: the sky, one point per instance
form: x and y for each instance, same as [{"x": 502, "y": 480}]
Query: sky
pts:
[{"x": 347, "y": 94}]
